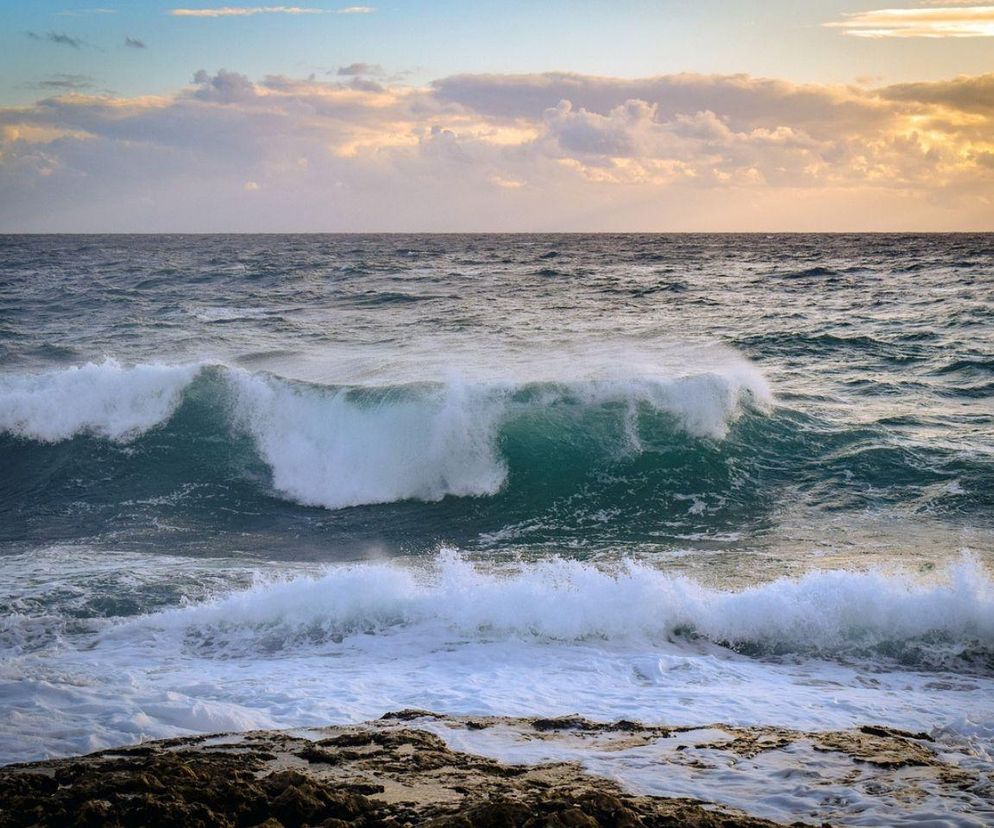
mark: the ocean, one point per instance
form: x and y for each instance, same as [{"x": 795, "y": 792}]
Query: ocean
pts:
[{"x": 283, "y": 481}]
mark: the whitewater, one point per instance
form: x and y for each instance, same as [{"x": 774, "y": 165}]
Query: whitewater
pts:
[{"x": 289, "y": 481}]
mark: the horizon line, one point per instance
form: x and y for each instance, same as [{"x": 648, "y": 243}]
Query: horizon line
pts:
[{"x": 496, "y": 232}]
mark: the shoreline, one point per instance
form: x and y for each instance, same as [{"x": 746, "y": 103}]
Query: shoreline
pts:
[{"x": 417, "y": 767}]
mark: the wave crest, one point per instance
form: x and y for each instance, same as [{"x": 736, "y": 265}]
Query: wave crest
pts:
[{"x": 105, "y": 399}]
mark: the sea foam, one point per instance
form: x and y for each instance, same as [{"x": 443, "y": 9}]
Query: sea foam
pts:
[
  {"x": 105, "y": 399},
  {"x": 608, "y": 641},
  {"x": 335, "y": 448},
  {"x": 826, "y": 613}
]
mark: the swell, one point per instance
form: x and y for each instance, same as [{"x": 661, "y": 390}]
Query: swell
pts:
[
  {"x": 692, "y": 450},
  {"x": 943, "y": 622},
  {"x": 339, "y": 446}
]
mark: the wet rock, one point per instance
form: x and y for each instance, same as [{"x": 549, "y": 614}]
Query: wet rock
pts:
[
  {"x": 408, "y": 714},
  {"x": 312, "y": 753},
  {"x": 878, "y": 730},
  {"x": 296, "y": 800},
  {"x": 749, "y": 743},
  {"x": 380, "y": 774},
  {"x": 876, "y": 746},
  {"x": 564, "y": 723}
]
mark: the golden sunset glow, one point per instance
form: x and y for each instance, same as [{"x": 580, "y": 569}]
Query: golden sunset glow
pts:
[
  {"x": 967, "y": 21},
  {"x": 690, "y": 136}
]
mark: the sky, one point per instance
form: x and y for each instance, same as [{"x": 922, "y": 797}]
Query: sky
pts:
[{"x": 629, "y": 115}]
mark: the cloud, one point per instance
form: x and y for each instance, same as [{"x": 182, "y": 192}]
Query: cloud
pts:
[
  {"x": 134, "y": 43},
  {"x": 244, "y": 11},
  {"x": 618, "y": 134},
  {"x": 373, "y": 69},
  {"x": 251, "y": 11},
  {"x": 67, "y": 82},
  {"x": 743, "y": 100},
  {"x": 84, "y": 12},
  {"x": 966, "y": 93},
  {"x": 60, "y": 38},
  {"x": 366, "y": 85},
  {"x": 224, "y": 87},
  {"x": 935, "y": 22},
  {"x": 503, "y": 152},
  {"x": 506, "y": 183}
]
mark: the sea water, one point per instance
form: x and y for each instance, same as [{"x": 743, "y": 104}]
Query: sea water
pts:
[{"x": 283, "y": 481}]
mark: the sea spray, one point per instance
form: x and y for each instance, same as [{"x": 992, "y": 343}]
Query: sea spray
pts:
[{"x": 106, "y": 399}]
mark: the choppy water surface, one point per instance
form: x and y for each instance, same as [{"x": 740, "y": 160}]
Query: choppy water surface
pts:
[{"x": 284, "y": 480}]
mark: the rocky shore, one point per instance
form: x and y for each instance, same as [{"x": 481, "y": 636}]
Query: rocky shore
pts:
[{"x": 391, "y": 772}]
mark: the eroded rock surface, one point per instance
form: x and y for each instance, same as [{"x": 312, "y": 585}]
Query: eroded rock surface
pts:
[{"x": 384, "y": 773}]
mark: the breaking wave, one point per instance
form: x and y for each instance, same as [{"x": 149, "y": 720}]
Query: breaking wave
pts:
[
  {"x": 105, "y": 399},
  {"x": 832, "y": 613},
  {"x": 339, "y": 446}
]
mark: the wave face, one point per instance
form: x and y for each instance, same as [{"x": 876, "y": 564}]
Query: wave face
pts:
[
  {"x": 194, "y": 428},
  {"x": 352, "y": 447}
]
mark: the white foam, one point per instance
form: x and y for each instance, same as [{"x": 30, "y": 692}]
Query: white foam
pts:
[
  {"x": 336, "y": 447},
  {"x": 216, "y": 313},
  {"x": 799, "y": 781},
  {"x": 106, "y": 399},
  {"x": 331, "y": 448},
  {"x": 355, "y": 641},
  {"x": 827, "y": 612}
]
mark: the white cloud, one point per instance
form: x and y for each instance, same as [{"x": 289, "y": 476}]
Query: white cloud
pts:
[
  {"x": 84, "y": 12},
  {"x": 251, "y": 11},
  {"x": 244, "y": 11},
  {"x": 526, "y": 152},
  {"x": 934, "y": 22},
  {"x": 511, "y": 183}
]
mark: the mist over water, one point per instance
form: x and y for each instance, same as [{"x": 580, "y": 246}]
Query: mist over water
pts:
[{"x": 286, "y": 480}]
